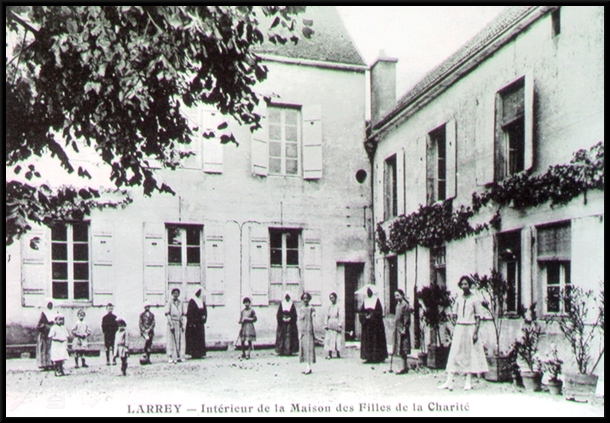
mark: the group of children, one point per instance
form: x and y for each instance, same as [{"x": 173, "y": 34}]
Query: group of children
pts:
[{"x": 54, "y": 349}]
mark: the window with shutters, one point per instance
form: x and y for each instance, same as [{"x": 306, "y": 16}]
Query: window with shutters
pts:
[
  {"x": 284, "y": 140},
  {"x": 70, "y": 261},
  {"x": 554, "y": 262},
  {"x": 390, "y": 188},
  {"x": 514, "y": 114},
  {"x": 184, "y": 248},
  {"x": 508, "y": 255},
  {"x": 437, "y": 165},
  {"x": 284, "y": 260}
]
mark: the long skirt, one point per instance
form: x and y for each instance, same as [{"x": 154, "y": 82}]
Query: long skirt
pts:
[
  {"x": 466, "y": 356},
  {"x": 43, "y": 351},
  {"x": 333, "y": 340},
  {"x": 307, "y": 353}
]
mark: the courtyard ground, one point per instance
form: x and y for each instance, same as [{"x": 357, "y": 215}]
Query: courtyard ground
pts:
[{"x": 224, "y": 385}]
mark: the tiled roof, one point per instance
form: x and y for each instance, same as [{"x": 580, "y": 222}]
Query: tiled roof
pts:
[
  {"x": 329, "y": 43},
  {"x": 505, "y": 20}
]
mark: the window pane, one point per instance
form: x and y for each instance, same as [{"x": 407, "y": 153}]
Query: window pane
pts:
[
  {"x": 274, "y": 115},
  {"x": 275, "y": 165},
  {"x": 174, "y": 235},
  {"x": 276, "y": 256},
  {"x": 511, "y": 279},
  {"x": 292, "y": 167},
  {"x": 192, "y": 235},
  {"x": 512, "y": 103},
  {"x": 193, "y": 255},
  {"x": 275, "y": 149},
  {"x": 292, "y": 257},
  {"x": 60, "y": 271},
  {"x": 275, "y": 239},
  {"x": 567, "y": 270},
  {"x": 292, "y": 239},
  {"x": 441, "y": 169},
  {"x": 291, "y": 116},
  {"x": 291, "y": 133},
  {"x": 60, "y": 290},
  {"x": 81, "y": 271},
  {"x": 59, "y": 232},
  {"x": 441, "y": 190},
  {"x": 81, "y": 290},
  {"x": 275, "y": 132},
  {"x": 81, "y": 252},
  {"x": 174, "y": 254},
  {"x": 292, "y": 151},
  {"x": 59, "y": 251},
  {"x": 552, "y": 300},
  {"x": 552, "y": 274},
  {"x": 80, "y": 232}
]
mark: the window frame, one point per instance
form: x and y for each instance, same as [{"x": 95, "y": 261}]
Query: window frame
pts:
[
  {"x": 390, "y": 187},
  {"x": 502, "y": 243},
  {"x": 561, "y": 257},
  {"x": 509, "y": 128},
  {"x": 184, "y": 245},
  {"x": 284, "y": 265},
  {"x": 283, "y": 141},
  {"x": 70, "y": 261},
  {"x": 437, "y": 164}
]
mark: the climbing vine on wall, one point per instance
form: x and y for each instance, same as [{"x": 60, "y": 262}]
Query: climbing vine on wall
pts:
[{"x": 438, "y": 223}]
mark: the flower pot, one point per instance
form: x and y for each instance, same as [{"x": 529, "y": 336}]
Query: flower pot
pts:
[
  {"x": 554, "y": 386},
  {"x": 532, "y": 381},
  {"x": 422, "y": 358},
  {"x": 500, "y": 369},
  {"x": 579, "y": 387},
  {"x": 437, "y": 356}
]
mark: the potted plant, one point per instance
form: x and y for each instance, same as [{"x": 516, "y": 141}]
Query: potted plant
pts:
[
  {"x": 551, "y": 365},
  {"x": 526, "y": 348},
  {"x": 436, "y": 299},
  {"x": 493, "y": 291},
  {"x": 574, "y": 326}
]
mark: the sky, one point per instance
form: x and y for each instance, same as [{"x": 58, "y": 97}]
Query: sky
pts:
[{"x": 420, "y": 37}]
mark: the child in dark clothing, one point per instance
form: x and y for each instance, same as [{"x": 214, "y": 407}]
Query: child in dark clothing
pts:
[{"x": 109, "y": 328}]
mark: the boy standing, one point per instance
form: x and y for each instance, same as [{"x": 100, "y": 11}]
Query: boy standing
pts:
[
  {"x": 80, "y": 331},
  {"x": 109, "y": 328},
  {"x": 147, "y": 330},
  {"x": 121, "y": 347}
]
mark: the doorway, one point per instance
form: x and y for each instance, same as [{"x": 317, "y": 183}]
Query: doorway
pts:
[{"x": 354, "y": 279}]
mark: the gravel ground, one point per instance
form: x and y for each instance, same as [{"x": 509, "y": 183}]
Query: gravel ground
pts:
[{"x": 224, "y": 385}]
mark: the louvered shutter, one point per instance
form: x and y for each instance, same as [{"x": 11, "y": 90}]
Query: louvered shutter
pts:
[
  {"x": 35, "y": 274},
  {"x": 214, "y": 264},
  {"x": 400, "y": 180},
  {"x": 528, "y": 112},
  {"x": 312, "y": 265},
  {"x": 154, "y": 263},
  {"x": 213, "y": 150},
  {"x": 259, "y": 264},
  {"x": 260, "y": 145},
  {"x": 312, "y": 142},
  {"x": 451, "y": 159},
  {"x": 102, "y": 272}
]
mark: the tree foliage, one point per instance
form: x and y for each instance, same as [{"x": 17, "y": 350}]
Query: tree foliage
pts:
[{"x": 116, "y": 78}]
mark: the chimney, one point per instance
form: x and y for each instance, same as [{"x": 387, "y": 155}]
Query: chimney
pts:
[{"x": 383, "y": 86}]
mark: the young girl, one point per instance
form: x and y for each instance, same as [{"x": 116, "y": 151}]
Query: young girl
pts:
[
  {"x": 307, "y": 316},
  {"x": 59, "y": 344},
  {"x": 121, "y": 347},
  {"x": 247, "y": 334},
  {"x": 80, "y": 331}
]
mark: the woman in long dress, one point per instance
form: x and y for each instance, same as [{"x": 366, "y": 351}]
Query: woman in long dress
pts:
[
  {"x": 466, "y": 354},
  {"x": 43, "y": 343},
  {"x": 307, "y": 353},
  {"x": 333, "y": 339},
  {"x": 58, "y": 335},
  {"x": 175, "y": 328},
  {"x": 196, "y": 317},
  {"x": 287, "y": 335},
  {"x": 373, "y": 345}
]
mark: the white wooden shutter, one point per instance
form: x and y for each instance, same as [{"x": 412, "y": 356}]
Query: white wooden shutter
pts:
[
  {"x": 213, "y": 150},
  {"x": 102, "y": 271},
  {"x": 451, "y": 158},
  {"x": 312, "y": 265},
  {"x": 214, "y": 263},
  {"x": 194, "y": 121},
  {"x": 485, "y": 142},
  {"x": 430, "y": 174},
  {"x": 400, "y": 180},
  {"x": 260, "y": 144},
  {"x": 259, "y": 264},
  {"x": 154, "y": 262},
  {"x": 312, "y": 142},
  {"x": 484, "y": 254},
  {"x": 35, "y": 273},
  {"x": 528, "y": 121}
]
